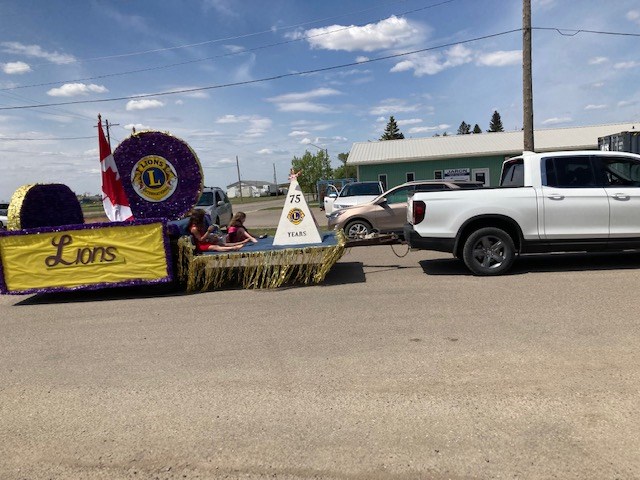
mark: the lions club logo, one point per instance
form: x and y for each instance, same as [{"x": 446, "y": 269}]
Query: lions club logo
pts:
[
  {"x": 295, "y": 216},
  {"x": 154, "y": 178}
]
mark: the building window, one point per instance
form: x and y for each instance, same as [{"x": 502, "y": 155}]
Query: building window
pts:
[
  {"x": 411, "y": 176},
  {"x": 382, "y": 178},
  {"x": 437, "y": 174}
]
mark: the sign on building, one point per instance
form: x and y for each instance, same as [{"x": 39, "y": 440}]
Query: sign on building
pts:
[{"x": 457, "y": 174}]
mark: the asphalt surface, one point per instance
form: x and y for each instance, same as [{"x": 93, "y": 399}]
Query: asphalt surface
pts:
[{"x": 393, "y": 368}]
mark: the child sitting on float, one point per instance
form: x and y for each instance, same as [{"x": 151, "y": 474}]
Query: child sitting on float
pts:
[
  {"x": 205, "y": 239},
  {"x": 236, "y": 232}
]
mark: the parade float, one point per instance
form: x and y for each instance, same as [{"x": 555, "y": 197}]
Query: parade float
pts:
[{"x": 158, "y": 179}]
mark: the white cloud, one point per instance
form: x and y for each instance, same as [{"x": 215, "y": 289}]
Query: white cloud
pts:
[
  {"x": 143, "y": 104},
  {"x": 179, "y": 102},
  {"x": 257, "y": 127},
  {"x": 224, "y": 7},
  {"x": 434, "y": 63},
  {"x": 442, "y": 126},
  {"x": 231, "y": 119},
  {"x": 307, "y": 107},
  {"x": 595, "y": 107},
  {"x": 300, "y": 101},
  {"x": 15, "y": 68},
  {"x": 597, "y": 85},
  {"x": 391, "y": 106},
  {"x": 556, "y": 120},
  {"x": 598, "y": 60},
  {"x": 73, "y": 89},
  {"x": 500, "y": 58},
  {"x": 634, "y": 16},
  {"x": 626, "y": 65},
  {"x": 235, "y": 48},
  {"x": 36, "y": 51},
  {"x": 361, "y": 59},
  {"x": 338, "y": 138},
  {"x": 265, "y": 151},
  {"x": 137, "y": 126},
  {"x": 626, "y": 103},
  {"x": 305, "y": 96},
  {"x": 298, "y": 133},
  {"x": 408, "y": 121},
  {"x": 392, "y": 32}
]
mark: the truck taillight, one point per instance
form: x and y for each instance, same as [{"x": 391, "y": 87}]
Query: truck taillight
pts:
[{"x": 419, "y": 209}]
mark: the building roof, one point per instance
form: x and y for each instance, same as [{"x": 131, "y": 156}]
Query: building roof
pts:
[
  {"x": 481, "y": 145},
  {"x": 250, "y": 183}
]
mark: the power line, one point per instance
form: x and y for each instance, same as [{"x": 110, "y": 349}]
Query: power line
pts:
[
  {"x": 229, "y": 54},
  {"x": 575, "y": 32},
  {"x": 265, "y": 79}
]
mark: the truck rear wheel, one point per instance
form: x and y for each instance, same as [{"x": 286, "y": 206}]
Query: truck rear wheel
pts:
[{"x": 489, "y": 251}]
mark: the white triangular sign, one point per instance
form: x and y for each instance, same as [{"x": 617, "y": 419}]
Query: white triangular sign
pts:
[{"x": 297, "y": 225}]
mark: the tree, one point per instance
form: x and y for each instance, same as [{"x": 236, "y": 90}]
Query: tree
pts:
[
  {"x": 392, "y": 132},
  {"x": 464, "y": 128},
  {"x": 344, "y": 170},
  {"x": 313, "y": 167},
  {"x": 476, "y": 129},
  {"x": 496, "y": 123}
]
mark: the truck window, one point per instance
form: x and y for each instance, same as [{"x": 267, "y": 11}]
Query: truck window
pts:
[
  {"x": 568, "y": 172},
  {"x": 513, "y": 174},
  {"x": 619, "y": 171}
]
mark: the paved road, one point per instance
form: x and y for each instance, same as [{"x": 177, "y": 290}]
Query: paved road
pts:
[
  {"x": 266, "y": 214},
  {"x": 395, "y": 368}
]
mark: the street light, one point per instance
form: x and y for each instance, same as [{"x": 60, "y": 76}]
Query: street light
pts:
[{"x": 326, "y": 152}]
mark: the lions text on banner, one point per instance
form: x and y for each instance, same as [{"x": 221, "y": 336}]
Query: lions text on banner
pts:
[
  {"x": 297, "y": 225},
  {"x": 74, "y": 258}
]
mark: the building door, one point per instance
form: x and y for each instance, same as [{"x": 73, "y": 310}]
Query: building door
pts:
[{"x": 481, "y": 175}]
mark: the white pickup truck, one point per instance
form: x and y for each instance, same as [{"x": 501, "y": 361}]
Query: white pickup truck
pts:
[{"x": 546, "y": 202}]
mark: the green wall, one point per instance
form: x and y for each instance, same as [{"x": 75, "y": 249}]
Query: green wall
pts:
[{"x": 423, "y": 170}]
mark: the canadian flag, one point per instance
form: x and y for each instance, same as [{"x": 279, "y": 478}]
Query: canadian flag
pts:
[{"x": 114, "y": 198}]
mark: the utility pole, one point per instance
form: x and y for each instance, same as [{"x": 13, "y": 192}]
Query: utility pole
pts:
[
  {"x": 107, "y": 124},
  {"x": 239, "y": 181},
  {"x": 527, "y": 81}
]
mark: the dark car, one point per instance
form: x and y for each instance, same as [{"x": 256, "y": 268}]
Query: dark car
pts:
[{"x": 388, "y": 212}]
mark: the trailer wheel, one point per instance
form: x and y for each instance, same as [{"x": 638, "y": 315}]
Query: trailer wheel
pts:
[{"x": 489, "y": 251}]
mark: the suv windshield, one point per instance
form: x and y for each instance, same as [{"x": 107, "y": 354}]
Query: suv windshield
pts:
[
  {"x": 205, "y": 199},
  {"x": 354, "y": 189}
]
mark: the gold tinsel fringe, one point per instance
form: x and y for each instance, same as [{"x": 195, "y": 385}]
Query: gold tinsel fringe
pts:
[{"x": 262, "y": 269}]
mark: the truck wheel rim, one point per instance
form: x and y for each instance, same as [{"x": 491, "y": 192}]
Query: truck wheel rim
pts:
[{"x": 489, "y": 252}]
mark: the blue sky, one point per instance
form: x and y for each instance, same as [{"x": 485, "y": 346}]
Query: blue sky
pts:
[{"x": 84, "y": 51}]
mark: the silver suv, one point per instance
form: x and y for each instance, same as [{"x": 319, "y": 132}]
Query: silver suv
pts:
[{"x": 216, "y": 204}]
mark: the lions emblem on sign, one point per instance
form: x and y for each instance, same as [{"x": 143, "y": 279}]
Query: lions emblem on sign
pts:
[
  {"x": 295, "y": 216},
  {"x": 154, "y": 178}
]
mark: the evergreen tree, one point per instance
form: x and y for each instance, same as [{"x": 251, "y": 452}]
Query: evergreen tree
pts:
[
  {"x": 445, "y": 134},
  {"x": 477, "y": 129},
  {"x": 496, "y": 123},
  {"x": 392, "y": 132},
  {"x": 464, "y": 128}
]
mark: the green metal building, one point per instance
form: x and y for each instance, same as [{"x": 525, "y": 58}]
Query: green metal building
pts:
[{"x": 464, "y": 157}]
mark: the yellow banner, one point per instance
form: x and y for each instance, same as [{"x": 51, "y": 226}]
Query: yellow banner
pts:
[{"x": 82, "y": 257}]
